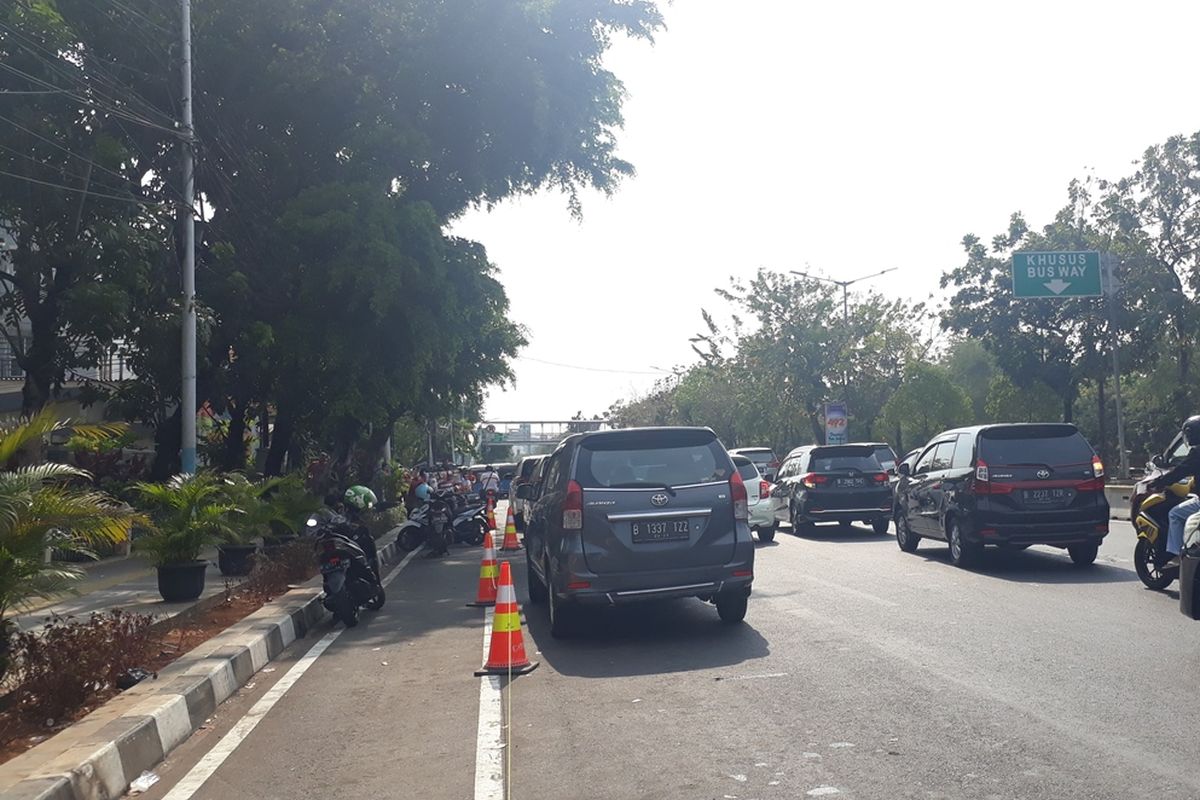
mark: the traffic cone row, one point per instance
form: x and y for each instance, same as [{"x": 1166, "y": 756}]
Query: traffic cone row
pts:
[
  {"x": 506, "y": 652},
  {"x": 488, "y": 575},
  {"x": 510, "y": 534}
]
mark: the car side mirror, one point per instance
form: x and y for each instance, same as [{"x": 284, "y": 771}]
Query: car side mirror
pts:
[
  {"x": 904, "y": 469},
  {"x": 1158, "y": 460},
  {"x": 524, "y": 492}
]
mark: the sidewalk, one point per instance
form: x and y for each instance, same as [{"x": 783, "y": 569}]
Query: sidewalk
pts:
[{"x": 128, "y": 583}]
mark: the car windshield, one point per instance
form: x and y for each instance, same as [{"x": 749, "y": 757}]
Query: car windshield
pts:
[
  {"x": 886, "y": 458},
  {"x": 665, "y": 460},
  {"x": 1051, "y": 445}
]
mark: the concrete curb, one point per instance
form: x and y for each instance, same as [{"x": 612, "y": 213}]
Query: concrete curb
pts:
[{"x": 98, "y": 757}]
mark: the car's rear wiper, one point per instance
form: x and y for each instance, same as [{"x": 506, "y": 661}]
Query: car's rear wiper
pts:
[{"x": 643, "y": 485}]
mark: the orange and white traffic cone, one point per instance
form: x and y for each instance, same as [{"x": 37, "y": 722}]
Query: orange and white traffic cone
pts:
[
  {"x": 510, "y": 543},
  {"x": 488, "y": 574},
  {"x": 491, "y": 516},
  {"x": 506, "y": 652}
]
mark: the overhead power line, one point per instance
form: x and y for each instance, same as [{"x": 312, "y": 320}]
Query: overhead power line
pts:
[
  {"x": 659, "y": 373},
  {"x": 78, "y": 190}
]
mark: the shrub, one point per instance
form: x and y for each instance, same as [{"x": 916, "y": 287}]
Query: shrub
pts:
[
  {"x": 67, "y": 663},
  {"x": 278, "y": 567}
]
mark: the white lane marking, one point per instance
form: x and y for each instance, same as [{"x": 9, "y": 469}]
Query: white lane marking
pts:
[
  {"x": 489, "y": 742},
  {"x": 214, "y": 758},
  {"x": 755, "y": 677},
  {"x": 822, "y": 791}
]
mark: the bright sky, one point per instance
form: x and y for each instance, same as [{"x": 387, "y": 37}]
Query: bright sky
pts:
[{"x": 847, "y": 136}]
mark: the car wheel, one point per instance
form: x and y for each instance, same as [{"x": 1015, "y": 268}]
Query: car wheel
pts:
[
  {"x": 731, "y": 606},
  {"x": 905, "y": 537},
  {"x": 535, "y": 585},
  {"x": 800, "y": 527},
  {"x": 1084, "y": 555},
  {"x": 880, "y": 526},
  {"x": 766, "y": 534},
  {"x": 1145, "y": 563},
  {"x": 962, "y": 553}
]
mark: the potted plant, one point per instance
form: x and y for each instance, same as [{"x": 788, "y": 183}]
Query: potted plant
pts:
[
  {"x": 291, "y": 504},
  {"x": 187, "y": 514},
  {"x": 256, "y": 517},
  {"x": 47, "y": 506}
]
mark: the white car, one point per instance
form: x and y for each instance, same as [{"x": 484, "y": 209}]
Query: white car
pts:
[
  {"x": 758, "y": 493},
  {"x": 763, "y": 458}
]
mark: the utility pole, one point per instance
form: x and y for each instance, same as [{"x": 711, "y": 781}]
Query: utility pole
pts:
[
  {"x": 187, "y": 396},
  {"x": 1110, "y": 274}
]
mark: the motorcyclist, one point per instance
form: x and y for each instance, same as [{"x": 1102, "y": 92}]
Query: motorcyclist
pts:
[
  {"x": 1189, "y": 467},
  {"x": 356, "y": 501}
]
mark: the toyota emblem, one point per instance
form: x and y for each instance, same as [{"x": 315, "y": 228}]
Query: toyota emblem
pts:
[
  {"x": 1043, "y": 474},
  {"x": 660, "y": 499}
]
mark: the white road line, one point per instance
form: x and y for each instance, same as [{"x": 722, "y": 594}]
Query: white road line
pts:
[
  {"x": 214, "y": 758},
  {"x": 489, "y": 743}
]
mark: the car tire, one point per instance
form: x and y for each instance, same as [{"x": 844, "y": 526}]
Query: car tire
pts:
[
  {"x": 800, "y": 527},
  {"x": 766, "y": 534},
  {"x": 962, "y": 553},
  {"x": 1146, "y": 565},
  {"x": 880, "y": 526},
  {"x": 1083, "y": 555},
  {"x": 535, "y": 585},
  {"x": 905, "y": 538},
  {"x": 731, "y": 606}
]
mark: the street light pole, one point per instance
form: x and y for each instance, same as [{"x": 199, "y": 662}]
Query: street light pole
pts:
[
  {"x": 1110, "y": 274},
  {"x": 845, "y": 286},
  {"x": 187, "y": 395}
]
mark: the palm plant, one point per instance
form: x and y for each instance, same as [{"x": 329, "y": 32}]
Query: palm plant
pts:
[
  {"x": 48, "y": 506},
  {"x": 187, "y": 514}
]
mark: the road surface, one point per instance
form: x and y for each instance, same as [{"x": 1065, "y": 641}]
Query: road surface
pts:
[{"x": 861, "y": 672}]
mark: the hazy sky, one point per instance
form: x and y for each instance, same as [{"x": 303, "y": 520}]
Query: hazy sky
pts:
[{"x": 847, "y": 136}]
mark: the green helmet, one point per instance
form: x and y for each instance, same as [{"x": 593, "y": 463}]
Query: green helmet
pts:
[{"x": 360, "y": 497}]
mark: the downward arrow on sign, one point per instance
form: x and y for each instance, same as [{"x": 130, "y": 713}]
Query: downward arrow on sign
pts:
[{"x": 1058, "y": 285}]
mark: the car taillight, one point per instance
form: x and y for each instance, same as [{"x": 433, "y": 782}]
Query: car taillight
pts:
[
  {"x": 572, "y": 509},
  {"x": 764, "y": 488},
  {"x": 880, "y": 477},
  {"x": 737, "y": 492},
  {"x": 813, "y": 479},
  {"x": 1097, "y": 467},
  {"x": 981, "y": 471}
]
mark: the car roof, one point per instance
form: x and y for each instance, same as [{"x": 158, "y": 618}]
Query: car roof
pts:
[{"x": 975, "y": 429}]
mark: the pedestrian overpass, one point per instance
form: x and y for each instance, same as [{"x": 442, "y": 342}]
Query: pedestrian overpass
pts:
[{"x": 530, "y": 436}]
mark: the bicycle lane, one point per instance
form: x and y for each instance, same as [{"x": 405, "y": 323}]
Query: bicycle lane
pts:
[{"x": 389, "y": 707}]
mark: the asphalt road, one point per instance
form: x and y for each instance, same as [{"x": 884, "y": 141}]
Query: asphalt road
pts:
[{"x": 861, "y": 672}]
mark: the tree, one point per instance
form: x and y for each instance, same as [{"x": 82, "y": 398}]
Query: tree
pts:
[
  {"x": 970, "y": 367},
  {"x": 1035, "y": 402},
  {"x": 926, "y": 403},
  {"x": 84, "y": 212}
]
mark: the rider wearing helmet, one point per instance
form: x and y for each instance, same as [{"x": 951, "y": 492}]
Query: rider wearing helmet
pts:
[
  {"x": 355, "y": 501},
  {"x": 1189, "y": 467}
]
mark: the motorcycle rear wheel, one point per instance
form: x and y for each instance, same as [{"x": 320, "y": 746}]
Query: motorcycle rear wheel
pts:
[
  {"x": 1145, "y": 562},
  {"x": 475, "y": 536},
  {"x": 410, "y": 539},
  {"x": 376, "y": 602}
]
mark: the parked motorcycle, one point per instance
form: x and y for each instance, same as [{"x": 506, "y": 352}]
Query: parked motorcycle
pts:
[
  {"x": 429, "y": 523},
  {"x": 470, "y": 524},
  {"x": 349, "y": 567},
  {"x": 1151, "y": 522}
]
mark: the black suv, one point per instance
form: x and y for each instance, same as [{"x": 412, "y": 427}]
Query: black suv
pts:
[
  {"x": 833, "y": 483},
  {"x": 1010, "y": 485}
]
